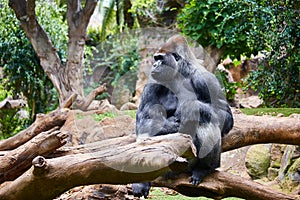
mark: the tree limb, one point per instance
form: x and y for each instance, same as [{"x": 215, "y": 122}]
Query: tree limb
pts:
[
  {"x": 10, "y": 103},
  {"x": 249, "y": 130},
  {"x": 15, "y": 162},
  {"x": 49, "y": 59},
  {"x": 41, "y": 124},
  {"x": 126, "y": 164}
]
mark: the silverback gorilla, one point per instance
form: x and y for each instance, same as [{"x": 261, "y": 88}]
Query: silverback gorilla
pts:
[{"x": 182, "y": 96}]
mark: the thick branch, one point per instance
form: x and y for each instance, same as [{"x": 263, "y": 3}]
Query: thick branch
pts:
[
  {"x": 41, "y": 124},
  {"x": 122, "y": 164},
  {"x": 15, "y": 162},
  {"x": 134, "y": 162},
  {"x": 249, "y": 130},
  {"x": 10, "y": 103},
  {"x": 220, "y": 185},
  {"x": 78, "y": 20},
  {"x": 92, "y": 95}
]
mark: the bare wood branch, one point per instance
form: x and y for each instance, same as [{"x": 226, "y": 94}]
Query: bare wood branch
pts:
[
  {"x": 78, "y": 20},
  {"x": 10, "y": 103},
  {"x": 41, "y": 124},
  {"x": 83, "y": 105},
  {"x": 15, "y": 162},
  {"x": 121, "y": 165},
  {"x": 219, "y": 185},
  {"x": 249, "y": 130},
  {"x": 126, "y": 164}
]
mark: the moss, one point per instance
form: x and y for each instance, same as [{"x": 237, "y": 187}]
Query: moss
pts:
[
  {"x": 100, "y": 117},
  {"x": 258, "y": 161},
  {"x": 270, "y": 111}
]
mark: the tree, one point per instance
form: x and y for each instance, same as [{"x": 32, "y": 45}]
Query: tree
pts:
[
  {"x": 22, "y": 72},
  {"x": 66, "y": 77},
  {"x": 239, "y": 27}
]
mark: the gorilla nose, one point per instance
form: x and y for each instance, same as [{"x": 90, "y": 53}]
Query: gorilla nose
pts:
[{"x": 158, "y": 56}]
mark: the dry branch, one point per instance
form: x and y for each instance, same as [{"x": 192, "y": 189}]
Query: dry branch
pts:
[
  {"x": 15, "y": 162},
  {"x": 220, "y": 185},
  {"x": 249, "y": 130},
  {"x": 126, "y": 164},
  {"x": 41, "y": 124},
  {"x": 10, "y": 103},
  {"x": 117, "y": 165}
]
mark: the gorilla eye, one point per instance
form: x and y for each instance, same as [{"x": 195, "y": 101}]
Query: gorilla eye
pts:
[
  {"x": 176, "y": 56},
  {"x": 158, "y": 57}
]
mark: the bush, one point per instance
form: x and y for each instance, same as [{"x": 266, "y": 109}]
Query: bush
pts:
[{"x": 248, "y": 27}]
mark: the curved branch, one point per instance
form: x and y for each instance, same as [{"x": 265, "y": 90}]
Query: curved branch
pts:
[
  {"x": 47, "y": 53},
  {"x": 134, "y": 162},
  {"x": 249, "y": 130}
]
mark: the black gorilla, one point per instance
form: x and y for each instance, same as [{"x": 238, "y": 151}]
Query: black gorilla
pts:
[{"x": 182, "y": 96}]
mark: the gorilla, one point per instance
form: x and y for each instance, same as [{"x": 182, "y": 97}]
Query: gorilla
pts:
[{"x": 182, "y": 96}]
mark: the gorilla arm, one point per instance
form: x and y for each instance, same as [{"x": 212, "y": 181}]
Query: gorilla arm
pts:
[
  {"x": 151, "y": 117},
  {"x": 210, "y": 92}
]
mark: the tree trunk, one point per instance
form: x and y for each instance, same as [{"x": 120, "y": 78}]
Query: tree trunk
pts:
[{"x": 68, "y": 79}]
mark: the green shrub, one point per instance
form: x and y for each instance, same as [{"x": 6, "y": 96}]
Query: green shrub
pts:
[{"x": 248, "y": 27}]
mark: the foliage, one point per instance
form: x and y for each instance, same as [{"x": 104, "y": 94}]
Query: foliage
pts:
[
  {"x": 123, "y": 56},
  {"x": 19, "y": 60},
  {"x": 247, "y": 27},
  {"x": 10, "y": 121},
  {"x": 100, "y": 117},
  {"x": 230, "y": 88}
]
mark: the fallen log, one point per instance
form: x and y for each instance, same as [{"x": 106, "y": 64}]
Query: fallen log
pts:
[
  {"x": 16, "y": 162},
  {"x": 134, "y": 162},
  {"x": 250, "y": 130},
  {"x": 42, "y": 123}
]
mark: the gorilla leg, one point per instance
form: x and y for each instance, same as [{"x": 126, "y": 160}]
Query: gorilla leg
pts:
[
  {"x": 202, "y": 167},
  {"x": 198, "y": 120}
]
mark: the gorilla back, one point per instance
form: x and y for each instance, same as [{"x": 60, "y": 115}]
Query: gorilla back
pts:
[{"x": 182, "y": 96}]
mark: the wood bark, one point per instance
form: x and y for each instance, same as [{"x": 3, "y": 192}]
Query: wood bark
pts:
[
  {"x": 10, "y": 103},
  {"x": 15, "y": 162},
  {"x": 249, "y": 130},
  {"x": 47, "y": 178},
  {"x": 42, "y": 123}
]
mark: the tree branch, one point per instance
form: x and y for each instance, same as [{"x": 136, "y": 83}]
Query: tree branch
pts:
[
  {"x": 15, "y": 162},
  {"x": 10, "y": 103},
  {"x": 126, "y": 164},
  {"x": 249, "y": 130},
  {"x": 41, "y": 124},
  {"x": 49, "y": 59}
]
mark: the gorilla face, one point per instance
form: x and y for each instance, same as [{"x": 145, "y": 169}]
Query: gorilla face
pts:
[{"x": 165, "y": 67}]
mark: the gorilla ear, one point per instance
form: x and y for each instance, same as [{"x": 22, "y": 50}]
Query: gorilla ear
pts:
[{"x": 176, "y": 56}]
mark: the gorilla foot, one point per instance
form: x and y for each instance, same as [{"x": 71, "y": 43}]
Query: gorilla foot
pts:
[
  {"x": 198, "y": 175},
  {"x": 141, "y": 189}
]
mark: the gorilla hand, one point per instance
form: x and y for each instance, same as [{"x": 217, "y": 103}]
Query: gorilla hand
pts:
[{"x": 141, "y": 189}]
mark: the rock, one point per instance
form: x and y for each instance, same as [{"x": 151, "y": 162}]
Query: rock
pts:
[
  {"x": 91, "y": 126},
  {"x": 128, "y": 106},
  {"x": 285, "y": 161},
  {"x": 251, "y": 102},
  {"x": 258, "y": 160},
  {"x": 291, "y": 181}
]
